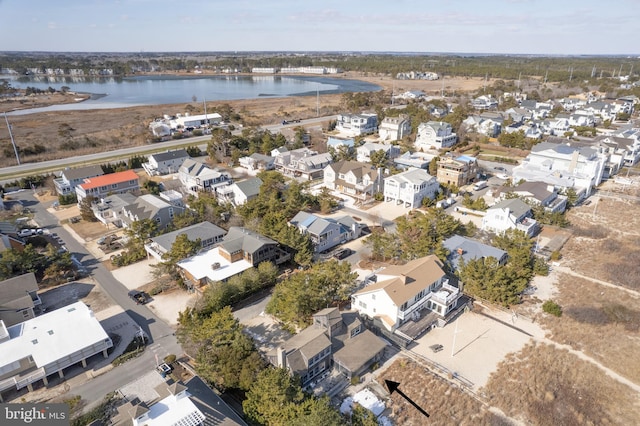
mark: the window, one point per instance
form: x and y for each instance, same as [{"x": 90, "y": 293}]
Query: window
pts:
[
  {"x": 373, "y": 297},
  {"x": 362, "y": 304},
  {"x": 25, "y": 314},
  {"x": 114, "y": 186}
]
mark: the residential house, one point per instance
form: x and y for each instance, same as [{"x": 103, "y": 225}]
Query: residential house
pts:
[
  {"x": 326, "y": 233},
  {"x": 165, "y": 162},
  {"x": 239, "y": 250},
  {"x": 208, "y": 234},
  {"x": 303, "y": 163},
  {"x": 484, "y": 102},
  {"x": 109, "y": 209},
  {"x": 70, "y": 178},
  {"x": 10, "y": 242},
  {"x": 356, "y": 124},
  {"x": 18, "y": 298},
  {"x": 335, "y": 338},
  {"x": 519, "y": 115},
  {"x": 564, "y": 166},
  {"x": 416, "y": 295},
  {"x": 410, "y": 187},
  {"x": 364, "y": 151},
  {"x": 462, "y": 250},
  {"x": 418, "y": 160},
  {"x": 435, "y": 135},
  {"x": 197, "y": 177},
  {"x": 113, "y": 183},
  {"x": 174, "y": 408},
  {"x": 487, "y": 124},
  {"x": 238, "y": 193},
  {"x": 150, "y": 207},
  {"x": 627, "y": 148},
  {"x": 394, "y": 128},
  {"x": 352, "y": 178},
  {"x": 257, "y": 161},
  {"x": 47, "y": 344},
  {"x": 458, "y": 171},
  {"x": 510, "y": 214},
  {"x": 536, "y": 193}
]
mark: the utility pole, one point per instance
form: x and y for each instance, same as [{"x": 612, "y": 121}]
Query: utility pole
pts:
[
  {"x": 317, "y": 101},
  {"x": 15, "y": 148}
]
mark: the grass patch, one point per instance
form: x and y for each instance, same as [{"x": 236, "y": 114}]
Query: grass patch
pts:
[{"x": 552, "y": 308}]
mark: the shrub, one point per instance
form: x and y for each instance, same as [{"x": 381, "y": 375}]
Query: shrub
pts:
[
  {"x": 540, "y": 267},
  {"x": 552, "y": 308},
  {"x": 170, "y": 359},
  {"x": 355, "y": 380},
  {"x": 555, "y": 256}
]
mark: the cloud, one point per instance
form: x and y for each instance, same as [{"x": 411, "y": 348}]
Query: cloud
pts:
[{"x": 52, "y": 25}]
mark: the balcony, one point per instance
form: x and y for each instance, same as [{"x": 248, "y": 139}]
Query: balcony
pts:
[{"x": 446, "y": 294}]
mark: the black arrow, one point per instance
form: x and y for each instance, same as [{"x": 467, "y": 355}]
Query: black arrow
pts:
[{"x": 393, "y": 387}]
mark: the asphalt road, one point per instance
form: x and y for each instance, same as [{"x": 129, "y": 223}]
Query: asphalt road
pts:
[{"x": 162, "y": 340}]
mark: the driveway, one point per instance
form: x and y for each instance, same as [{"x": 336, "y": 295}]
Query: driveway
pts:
[{"x": 136, "y": 275}]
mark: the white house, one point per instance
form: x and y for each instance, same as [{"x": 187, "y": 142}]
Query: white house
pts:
[
  {"x": 165, "y": 162},
  {"x": 257, "y": 161},
  {"x": 238, "y": 193},
  {"x": 394, "y": 128},
  {"x": 563, "y": 166},
  {"x": 509, "y": 214},
  {"x": 326, "y": 233},
  {"x": 408, "y": 292},
  {"x": 33, "y": 350},
  {"x": 198, "y": 177},
  {"x": 70, "y": 178},
  {"x": 410, "y": 187},
  {"x": 357, "y": 124},
  {"x": 363, "y": 152},
  {"x": 353, "y": 179},
  {"x": 434, "y": 135}
]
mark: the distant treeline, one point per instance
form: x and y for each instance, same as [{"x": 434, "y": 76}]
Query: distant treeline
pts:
[{"x": 554, "y": 69}]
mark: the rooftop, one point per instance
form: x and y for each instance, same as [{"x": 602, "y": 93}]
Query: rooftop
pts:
[
  {"x": 201, "y": 266},
  {"x": 52, "y": 336},
  {"x": 110, "y": 179}
]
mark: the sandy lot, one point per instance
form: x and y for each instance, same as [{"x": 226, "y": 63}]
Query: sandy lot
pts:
[
  {"x": 475, "y": 344},
  {"x": 168, "y": 305}
]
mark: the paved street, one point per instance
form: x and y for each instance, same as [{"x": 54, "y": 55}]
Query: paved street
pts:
[{"x": 162, "y": 340}]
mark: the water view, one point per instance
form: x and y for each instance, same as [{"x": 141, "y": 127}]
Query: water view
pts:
[{"x": 152, "y": 90}]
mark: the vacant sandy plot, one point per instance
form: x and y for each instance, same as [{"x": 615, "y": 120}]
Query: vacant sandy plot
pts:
[
  {"x": 475, "y": 344},
  {"x": 167, "y": 305}
]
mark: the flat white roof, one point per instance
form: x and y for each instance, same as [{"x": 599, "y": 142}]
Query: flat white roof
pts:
[
  {"x": 52, "y": 336},
  {"x": 200, "y": 266},
  {"x": 172, "y": 411}
]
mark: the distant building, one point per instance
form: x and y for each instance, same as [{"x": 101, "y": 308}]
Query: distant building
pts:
[
  {"x": 510, "y": 214},
  {"x": 394, "y": 128},
  {"x": 150, "y": 207},
  {"x": 302, "y": 163},
  {"x": 238, "y": 193},
  {"x": 462, "y": 250},
  {"x": 357, "y": 124},
  {"x": 257, "y": 161},
  {"x": 353, "y": 179},
  {"x": 364, "y": 151}
]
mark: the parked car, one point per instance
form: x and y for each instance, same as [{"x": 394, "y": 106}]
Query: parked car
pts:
[
  {"x": 27, "y": 232},
  {"x": 140, "y": 297},
  {"x": 502, "y": 169},
  {"x": 342, "y": 253}
]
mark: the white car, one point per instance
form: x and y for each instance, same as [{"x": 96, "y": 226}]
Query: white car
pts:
[
  {"x": 26, "y": 232},
  {"x": 503, "y": 176}
]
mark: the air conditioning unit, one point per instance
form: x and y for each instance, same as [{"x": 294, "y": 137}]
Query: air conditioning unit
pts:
[{"x": 215, "y": 266}]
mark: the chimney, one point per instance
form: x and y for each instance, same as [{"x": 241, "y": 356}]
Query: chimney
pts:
[
  {"x": 281, "y": 356},
  {"x": 460, "y": 251}
]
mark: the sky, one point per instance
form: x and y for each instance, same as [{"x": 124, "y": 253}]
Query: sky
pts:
[{"x": 564, "y": 27}]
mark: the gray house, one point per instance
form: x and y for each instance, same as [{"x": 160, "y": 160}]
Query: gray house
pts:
[
  {"x": 462, "y": 249},
  {"x": 18, "y": 297},
  {"x": 165, "y": 162},
  {"x": 208, "y": 233},
  {"x": 326, "y": 233},
  {"x": 334, "y": 336},
  {"x": 152, "y": 207}
]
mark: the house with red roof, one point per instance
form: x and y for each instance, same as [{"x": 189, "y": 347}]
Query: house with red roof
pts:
[{"x": 113, "y": 183}]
